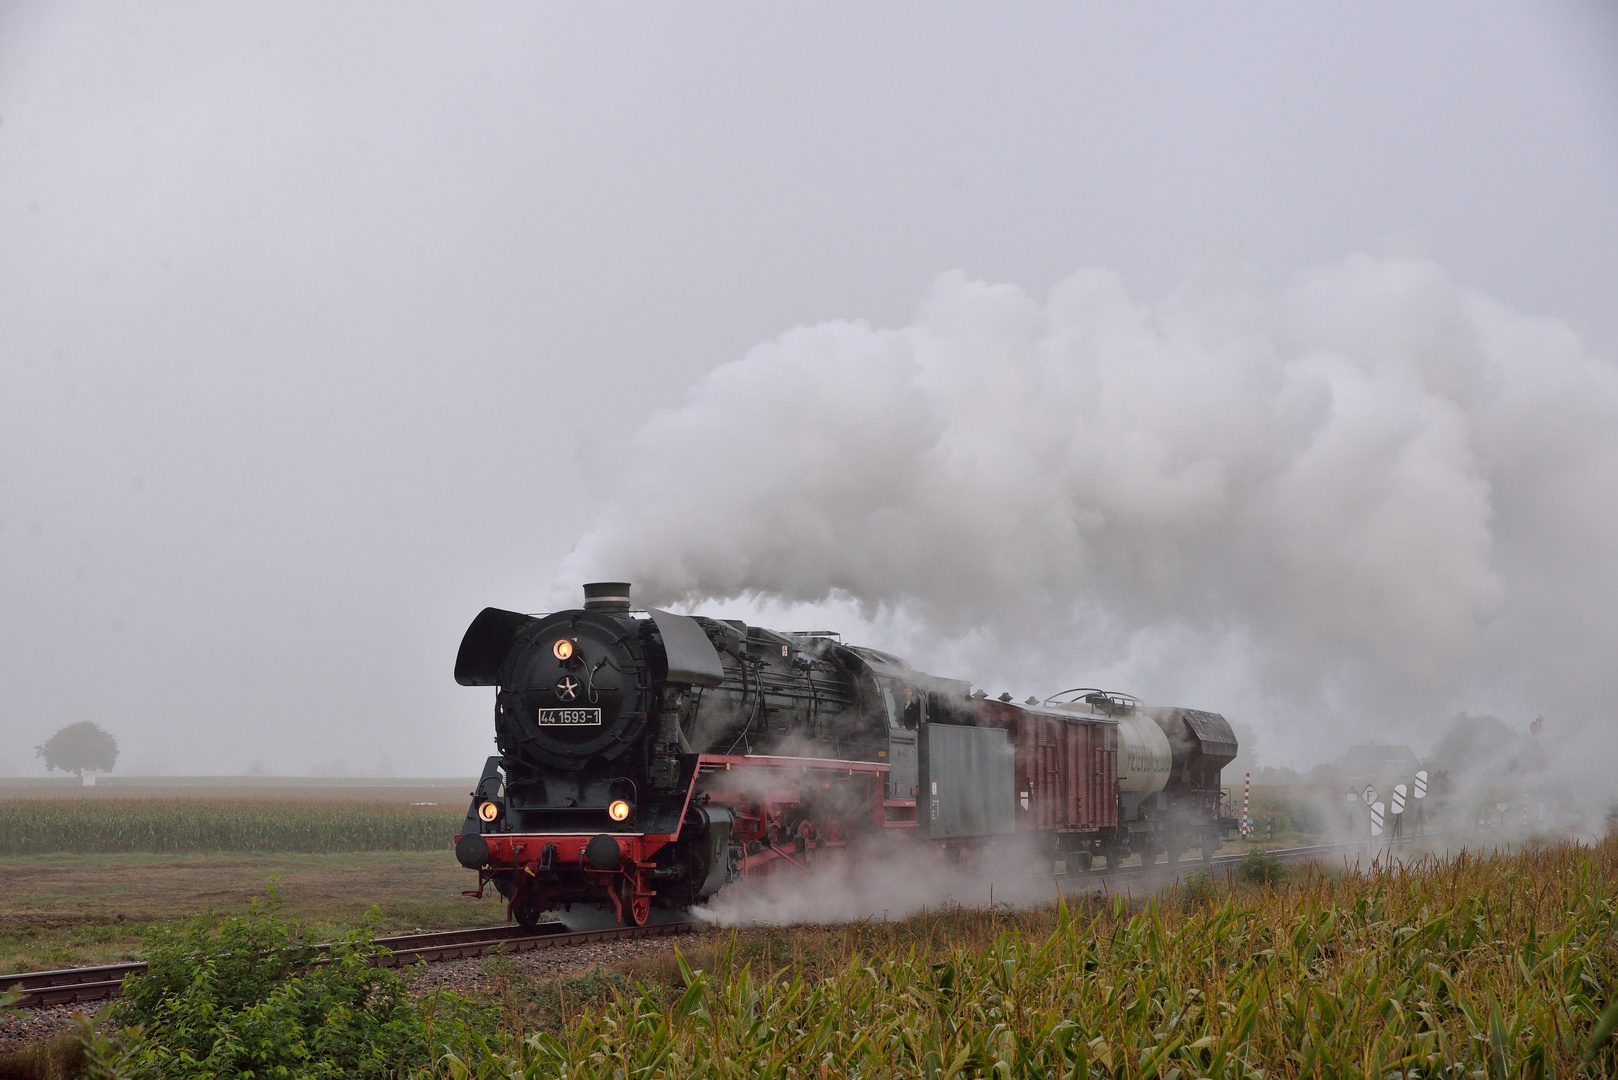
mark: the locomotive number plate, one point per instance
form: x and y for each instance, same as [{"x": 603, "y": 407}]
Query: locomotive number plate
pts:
[{"x": 570, "y": 718}]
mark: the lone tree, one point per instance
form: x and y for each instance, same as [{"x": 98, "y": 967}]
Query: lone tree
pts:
[{"x": 79, "y": 747}]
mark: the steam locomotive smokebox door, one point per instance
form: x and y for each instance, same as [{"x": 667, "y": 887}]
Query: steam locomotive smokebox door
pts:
[{"x": 967, "y": 782}]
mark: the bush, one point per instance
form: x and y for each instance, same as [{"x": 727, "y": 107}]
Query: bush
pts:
[
  {"x": 1305, "y": 816},
  {"x": 1261, "y": 868},
  {"x": 1198, "y": 890},
  {"x": 251, "y": 1000}
]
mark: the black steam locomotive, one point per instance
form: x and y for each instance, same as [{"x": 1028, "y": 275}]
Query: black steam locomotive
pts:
[{"x": 651, "y": 759}]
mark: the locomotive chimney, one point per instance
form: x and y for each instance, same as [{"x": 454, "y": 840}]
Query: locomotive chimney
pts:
[{"x": 611, "y": 597}]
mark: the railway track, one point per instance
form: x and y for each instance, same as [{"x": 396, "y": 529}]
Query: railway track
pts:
[
  {"x": 69, "y": 985},
  {"x": 1168, "y": 872},
  {"x": 1303, "y": 854}
]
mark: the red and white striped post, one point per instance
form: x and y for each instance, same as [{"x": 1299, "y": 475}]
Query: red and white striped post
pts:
[{"x": 1247, "y": 805}]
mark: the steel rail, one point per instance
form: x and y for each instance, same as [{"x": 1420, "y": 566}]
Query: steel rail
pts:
[
  {"x": 36, "y": 989},
  {"x": 1301, "y": 854},
  {"x": 1294, "y": 854}
]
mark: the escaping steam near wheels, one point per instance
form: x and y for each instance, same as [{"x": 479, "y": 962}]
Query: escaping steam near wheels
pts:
[{"x": 1361, "y": 499}]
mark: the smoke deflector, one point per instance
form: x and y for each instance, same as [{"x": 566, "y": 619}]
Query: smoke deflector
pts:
[
  {"x": 692, "y": 657},
  {"x": 486, "y": 645}
]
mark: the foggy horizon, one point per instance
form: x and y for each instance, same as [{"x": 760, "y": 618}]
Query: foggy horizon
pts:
[{"x": 323, "y": 329}]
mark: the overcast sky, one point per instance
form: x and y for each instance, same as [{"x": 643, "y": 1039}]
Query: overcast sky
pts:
[{"x": 318, "y": 322}]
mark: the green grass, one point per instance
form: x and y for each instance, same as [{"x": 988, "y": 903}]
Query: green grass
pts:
[
  {"x": 1478, "y": 967},
  {"x": 65, "y": 910},
  {"x": 1489, "y": 968},
  {"x": 106, "y": 826}
]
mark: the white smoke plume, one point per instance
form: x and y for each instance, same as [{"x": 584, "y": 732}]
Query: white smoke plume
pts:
[{"x": 1366, "y": 499}]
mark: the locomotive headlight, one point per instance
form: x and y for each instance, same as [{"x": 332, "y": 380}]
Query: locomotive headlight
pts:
[
  {"x": 563, "y": 649},
  {"x": 618, "y": 810},
  {"x": 488, "y": 811}
]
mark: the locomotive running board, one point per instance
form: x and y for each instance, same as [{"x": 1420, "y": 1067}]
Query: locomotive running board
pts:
[{"x": 725, "y": 761}]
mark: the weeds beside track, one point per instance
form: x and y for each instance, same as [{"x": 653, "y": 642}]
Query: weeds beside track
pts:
[
  {"x": 1499, "y": 967},
  {"x": 1487, "y": 967}
]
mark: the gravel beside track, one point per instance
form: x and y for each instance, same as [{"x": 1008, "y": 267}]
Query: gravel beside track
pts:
[
  {"x": 477, "y": 975},
  {"x": 19, "y": 1027}
]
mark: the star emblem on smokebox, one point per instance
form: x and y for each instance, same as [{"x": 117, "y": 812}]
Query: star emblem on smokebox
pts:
[{"x": 568, "y": 688}]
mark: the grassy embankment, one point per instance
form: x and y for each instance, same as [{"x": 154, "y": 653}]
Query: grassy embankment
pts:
[{"x": 83, "y": 879}]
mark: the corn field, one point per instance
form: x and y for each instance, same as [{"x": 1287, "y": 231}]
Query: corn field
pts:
[
  {"x": 106, "y": 826},
  {"x": 1479, "y": 968}
]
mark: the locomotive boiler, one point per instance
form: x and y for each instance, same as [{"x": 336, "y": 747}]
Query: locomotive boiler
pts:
[{"x": 649, "y": 759}]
